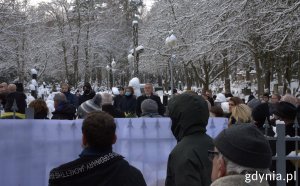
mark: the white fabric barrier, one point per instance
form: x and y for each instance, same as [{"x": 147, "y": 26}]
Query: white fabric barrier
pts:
[{"x": 29, "y": 149}]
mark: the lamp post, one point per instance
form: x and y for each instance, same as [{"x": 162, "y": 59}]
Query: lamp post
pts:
[
  {"x": 179, "y": 85},
  {"x": 113, "y": 65},
  {"x": 108, "y": 69},
  {"x": 135, "y": 44},
  {"x": 171, "y": 42},
  {"x": 135, "y": 4},
  {"x": 122, "y": 78}
]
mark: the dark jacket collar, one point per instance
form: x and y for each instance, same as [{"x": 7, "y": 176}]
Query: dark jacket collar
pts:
[{"x": 88, "y": 151}]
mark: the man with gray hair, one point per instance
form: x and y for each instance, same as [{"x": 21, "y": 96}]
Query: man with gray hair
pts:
[
  {"x": 149, "y": 95},
  {"x": 240, "y": 151},
  {"x": 63, "y": 109}
]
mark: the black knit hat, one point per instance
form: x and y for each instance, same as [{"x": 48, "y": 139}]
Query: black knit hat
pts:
[
  {"x": 245, "y": 145},
  {"x": 266, "y": 95},
  {"x": 285, "y": 110},
  {"x": 260, "y": 113}
]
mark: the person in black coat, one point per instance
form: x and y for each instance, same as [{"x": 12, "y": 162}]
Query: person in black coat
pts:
[
  {"x": 107, "y": 106},
  {"x": 72, "y": 98},
  {"x": 97, "y": 164},
  {"x": 118, "y": 98},
  {"x": 17, "y": 96},
  {"x": 188, "y": 163},
  {"x": 88, "y": 93},
  {"x": 63, "y": 109},
  {"x": 128, "y": 102},
  {"x": 287, "y": 112},
  {"x": 149, "y": 95},
  {"x": 260, "y": 114}
]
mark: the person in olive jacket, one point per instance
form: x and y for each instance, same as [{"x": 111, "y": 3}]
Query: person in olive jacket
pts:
[{"x": 188, "y": 163}]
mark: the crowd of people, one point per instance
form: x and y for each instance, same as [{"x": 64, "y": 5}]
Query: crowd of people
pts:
[
  {"x": 238, "y": 150},
  {"x": 120, "y": 104}
]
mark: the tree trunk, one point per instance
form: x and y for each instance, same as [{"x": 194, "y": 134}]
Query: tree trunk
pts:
[
  {"x": 287, "y": 74},
  {"x": 226, "y": 73},
  {"x": 22, "y": 71},
  {"x": 65, "y": 58},
  {"x": 267, "y": 65},
  {"x": 87, "y": 60},
  {"x": 87, "y": 73},
  {"x": 259, "y": 75}
]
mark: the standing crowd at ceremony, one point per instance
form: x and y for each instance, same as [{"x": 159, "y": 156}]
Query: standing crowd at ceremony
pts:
[{"x": 197, "y": 160}]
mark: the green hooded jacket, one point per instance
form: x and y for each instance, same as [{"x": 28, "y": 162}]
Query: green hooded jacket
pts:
[{"x": 188, "y": 163}]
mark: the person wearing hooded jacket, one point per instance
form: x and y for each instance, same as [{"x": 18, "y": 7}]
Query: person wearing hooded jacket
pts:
[
  {"x": 188, "y": 163},
  {"x": 88, "y": 93}
]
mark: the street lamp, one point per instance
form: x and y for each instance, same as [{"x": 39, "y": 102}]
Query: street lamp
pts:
[
  {"x": 171, "y": 42},
  {"x": 113, "y": 65},
  {"x": 108, "y": 69},
  {"x": 135, "y": 44},
  {"x": 179, "y": 85}
]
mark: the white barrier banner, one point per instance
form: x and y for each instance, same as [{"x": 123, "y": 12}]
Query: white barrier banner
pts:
[{"x": 29, "y": 149}]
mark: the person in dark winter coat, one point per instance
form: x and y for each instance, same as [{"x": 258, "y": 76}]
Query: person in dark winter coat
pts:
[
  {"x": 107, "y": 106},
  {"x": 287, "y": 112},
  {"x": 149, "y": 95},
  {"x": 63, "y": 109},
  {"x": 208, "y": 95},
  {"x": 88, "y": 93},
  {"x": 72, "y": 98},
  {"x": 97, "y": 164},
  {"x": 20, "y": 98},
  {"x": 260, "y": 114},
  {"x": 3, "y": 93},
  {"x": 118, "y": 98},
  {"x": 188, "y": 163},
  {"x": 128, "y": 102}
]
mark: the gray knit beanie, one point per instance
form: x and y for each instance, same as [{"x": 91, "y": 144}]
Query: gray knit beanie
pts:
[
  {"x": 245, "y": 145},
  {"x": 91, "y": 105},
  {"x": 149, "y": 106}
]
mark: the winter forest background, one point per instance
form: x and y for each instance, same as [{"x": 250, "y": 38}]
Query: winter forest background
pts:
[{"x": 220, "y": 42}]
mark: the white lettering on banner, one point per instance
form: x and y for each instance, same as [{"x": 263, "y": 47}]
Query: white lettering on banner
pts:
[{"x": 84, "y": 167}]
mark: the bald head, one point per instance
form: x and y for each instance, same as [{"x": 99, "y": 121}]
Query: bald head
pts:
[
  {"x": 3, "y": 87},
  {"x": 12, "y": 88}
]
